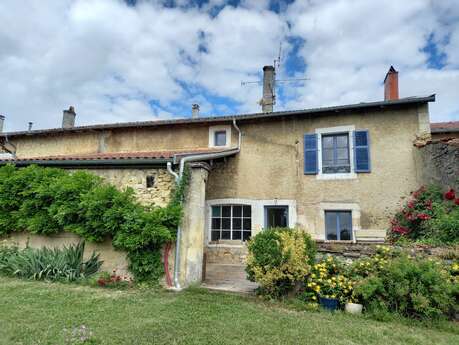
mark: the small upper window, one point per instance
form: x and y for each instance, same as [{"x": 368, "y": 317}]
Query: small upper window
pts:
[
  {"x": 335, "y": 154},
  {"x": 338, "y": 225},
  {"x": 150, "y": 181},
  {"x": 220, "y": 138}
]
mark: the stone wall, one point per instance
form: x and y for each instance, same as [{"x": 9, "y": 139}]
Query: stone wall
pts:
[
  {"x": 158, "y": 195},
  {"x": 112, "y": 259},
  {"x": 440, "y": 163}
]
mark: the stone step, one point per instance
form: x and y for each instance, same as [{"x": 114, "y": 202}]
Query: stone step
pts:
[{"x": 225, "y": 272}]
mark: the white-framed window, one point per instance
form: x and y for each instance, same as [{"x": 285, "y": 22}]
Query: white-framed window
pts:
[
  {"x": 336, "y": 153},
  {"x": 338, "y": 225},
  {"x": 220, "y": 136},
  {"x": 223, "y": 214},
  {"x": 231, "y": 222}
]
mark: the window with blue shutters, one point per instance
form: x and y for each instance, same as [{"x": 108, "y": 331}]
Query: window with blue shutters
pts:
[
  {"x": 362, "y": 151},
  {"x": 310, "y": 154}
]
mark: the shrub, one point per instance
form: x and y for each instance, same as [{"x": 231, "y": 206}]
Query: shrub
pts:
[
  {"x": 47, "y": 200},
  {"x": 49, "y": 264},
  {"x": 328, "y": 279},
  {"x": 113, "y": 280},
  {"x": 429, "y": 216},
  {"x": 412, "y": 287},
  {"x": 279, "y": 259}
]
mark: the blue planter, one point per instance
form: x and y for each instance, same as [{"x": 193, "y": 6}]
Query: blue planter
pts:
[{"x": 328, "y": 303}]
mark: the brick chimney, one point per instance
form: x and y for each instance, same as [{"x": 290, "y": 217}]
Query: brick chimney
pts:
[
  {"x": 2, "y": 121},
  {"x": 195, "y": 111},
  {"x": 391, "y": 85},
  {"x": 267, "y": 102},
  {"x": 68, "y": 118}
]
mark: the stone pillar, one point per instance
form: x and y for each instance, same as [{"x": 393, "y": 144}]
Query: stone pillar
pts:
[{"x": 193, "y": 226}]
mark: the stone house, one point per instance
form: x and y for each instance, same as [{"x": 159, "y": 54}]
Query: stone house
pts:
[{"x": 336, "y": 172}]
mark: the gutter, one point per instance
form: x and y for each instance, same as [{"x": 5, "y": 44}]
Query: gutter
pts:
[
  {"x": 179, "y": 176},
  {"x": 80, "y": 163}
]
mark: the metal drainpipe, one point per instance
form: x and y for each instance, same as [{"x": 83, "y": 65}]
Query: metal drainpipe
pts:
[
  {"x": 178, "y": 178},
  {"x": 179, "y": 234}
]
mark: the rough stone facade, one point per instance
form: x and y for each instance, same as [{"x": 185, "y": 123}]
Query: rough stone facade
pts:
[
  {"x": 157, "y": 195},
  {"x": 440, "y": 163}
]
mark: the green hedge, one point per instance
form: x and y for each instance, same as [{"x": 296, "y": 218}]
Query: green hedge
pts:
[{"x": 49, "y": 200}]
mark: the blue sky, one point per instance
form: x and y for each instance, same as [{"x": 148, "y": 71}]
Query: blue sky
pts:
[{"x": 118, "y": 60}]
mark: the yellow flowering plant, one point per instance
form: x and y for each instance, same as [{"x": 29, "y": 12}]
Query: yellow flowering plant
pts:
[
  {"x": 279, "y": 259},
  {"x": 328, "y": 278}
]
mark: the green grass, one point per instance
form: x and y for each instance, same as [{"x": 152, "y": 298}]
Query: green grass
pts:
[{"x": 38, "y": 313}]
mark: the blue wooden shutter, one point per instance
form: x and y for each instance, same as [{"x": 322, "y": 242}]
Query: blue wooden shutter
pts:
[
  {"x": 362, "y": 151},
  {"x": 310, "y": 154}
]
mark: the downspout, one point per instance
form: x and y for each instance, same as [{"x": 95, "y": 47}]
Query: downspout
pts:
[{"x": 179, "y": 177}]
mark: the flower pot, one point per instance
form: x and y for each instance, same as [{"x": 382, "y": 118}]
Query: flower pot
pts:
[
  {"x": 328, "y": 303},
  {"x": 353, "y": 308}
]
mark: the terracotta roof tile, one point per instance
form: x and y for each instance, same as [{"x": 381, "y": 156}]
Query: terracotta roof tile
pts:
[
  {"x": 439, "y": 126},
  {"x": 117, "y": 155}
]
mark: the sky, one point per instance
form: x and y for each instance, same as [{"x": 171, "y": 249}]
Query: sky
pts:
[{"x": 136, "y": 60}]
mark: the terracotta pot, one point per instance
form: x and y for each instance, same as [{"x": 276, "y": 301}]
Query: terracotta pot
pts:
[{"x": 353, "y": 308}]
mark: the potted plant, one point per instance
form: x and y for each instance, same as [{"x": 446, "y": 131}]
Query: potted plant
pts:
[
  {"x": 328, "y": 302},
  {"x": 329, "y": 293}
]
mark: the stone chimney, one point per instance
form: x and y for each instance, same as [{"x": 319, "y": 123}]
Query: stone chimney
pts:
[
  {"x": 391, "y": 85},
  {"x": 267, "y": 102},
  {"x": 68, "y": 118},
  {"x": 2, "y": 121},
  {"x": 195, "y": 111}
]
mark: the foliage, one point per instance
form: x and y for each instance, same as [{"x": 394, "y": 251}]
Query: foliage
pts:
[
  {"x": 328, "y": 279},
  {"x": 279, "y": 258},
  {"x": 429, "y": 216},
  {"x": 364, "y": 267},
  {"x": 412, "y": 287},
  {"x": 49, "y": 264},
  {"x": 113, "y": 280},
  {"x": 47, "y": 200}
]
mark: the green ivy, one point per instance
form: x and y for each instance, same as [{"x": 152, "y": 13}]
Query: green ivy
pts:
[{"x": 50, "y": 200}]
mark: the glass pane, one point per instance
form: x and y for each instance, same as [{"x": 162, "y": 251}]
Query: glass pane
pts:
[
  {"x": 247, "y": 224},
  {"x": 226, "y": 211},
  {"x": 226, "y": 223},
  {"x": 220, "y": 138},
  {"x": 237, "y": 223},
  {"x": 342, "y": 154},
  {"x": 226, "y": 235},
  {"x": 247, "y": 211},
  {"x": 246, "y": 235},
  {"x": 342, "y": 141},
  {"x": 327, "y": 142},
  {"x": 345, "y": 224},
  {"x": 237, "y": 235},
  {"x": 277, "y": 217},
  {"x": 327, "y": 156},
  {"x": 215, "y": 235},
  {"x": 330, "y": 225},
  {"x": 216, "y": 211},
  {"x": 237, "y": 211},
  {"x": 216, "y": 223}
]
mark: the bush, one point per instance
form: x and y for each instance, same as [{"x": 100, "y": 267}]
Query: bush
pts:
[
  {"x": 47, "y": 200},
  {"x": 279, "y": 259},
  {"x": 411, "y": 287},
  {"x": 428, "y": 216},
  {"x": 328, "y": 278},
  {"x": 48, "y": 264}
]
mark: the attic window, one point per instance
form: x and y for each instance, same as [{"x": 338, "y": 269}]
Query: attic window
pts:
[
  {"x": 150, "y": 181},
  {"x": 220, "y": 138}
]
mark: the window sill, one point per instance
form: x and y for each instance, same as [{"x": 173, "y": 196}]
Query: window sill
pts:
[
  {"x": 338, "y": 176},
  {"x": 227, "y": 243}
]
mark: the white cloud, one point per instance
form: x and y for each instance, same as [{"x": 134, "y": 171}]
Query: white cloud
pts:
[{"x": 110, "y": 60}]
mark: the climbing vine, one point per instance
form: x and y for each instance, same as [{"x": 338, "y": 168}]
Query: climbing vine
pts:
[{"x": 50, "y": 200}]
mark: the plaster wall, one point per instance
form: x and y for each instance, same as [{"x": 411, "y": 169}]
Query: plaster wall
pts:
[{"x": 270, "y": 166}]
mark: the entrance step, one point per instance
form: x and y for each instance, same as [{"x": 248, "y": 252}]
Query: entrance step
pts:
[{"x": 228, "y": 277}]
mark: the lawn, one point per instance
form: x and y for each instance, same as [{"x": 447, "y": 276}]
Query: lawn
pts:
[{"x": 38, "y": 313}]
